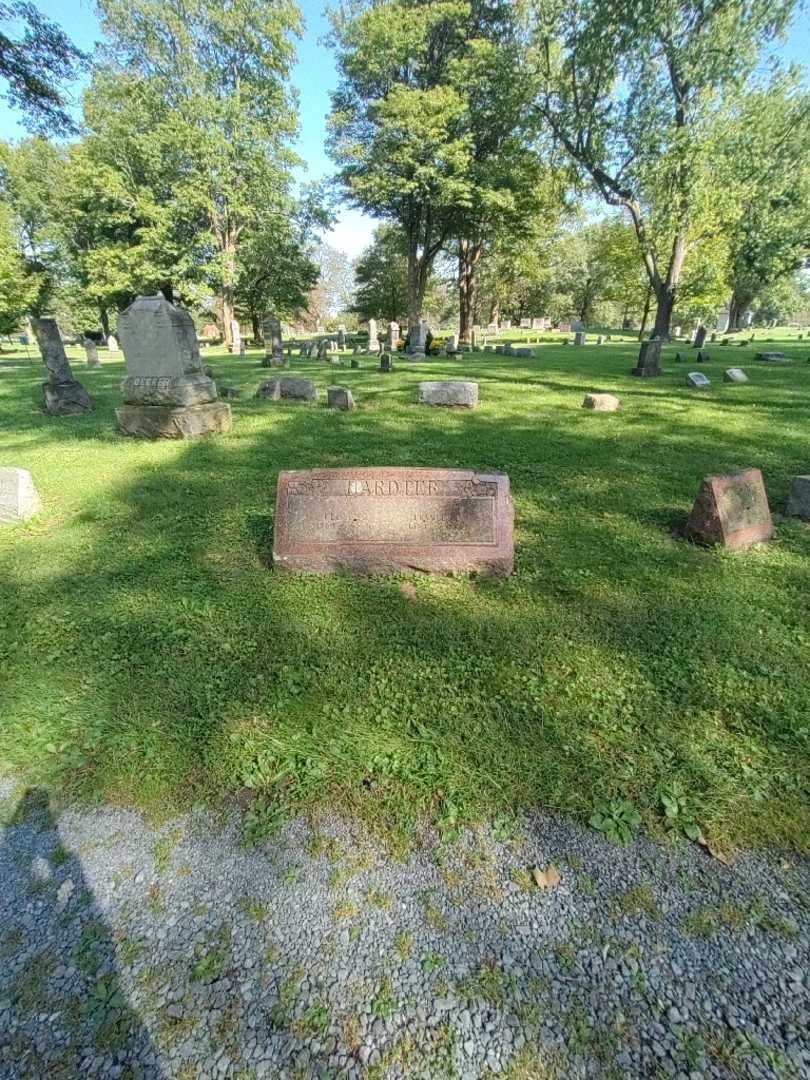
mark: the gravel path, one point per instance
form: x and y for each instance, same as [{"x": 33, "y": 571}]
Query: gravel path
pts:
[{"x": 129, "y": 951}]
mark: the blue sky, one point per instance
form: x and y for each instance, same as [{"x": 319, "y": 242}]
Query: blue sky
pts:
[{"x": 314, "y": 77}]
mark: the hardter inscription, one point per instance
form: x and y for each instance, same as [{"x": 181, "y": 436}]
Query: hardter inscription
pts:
[{"x": 386, "y": 520}]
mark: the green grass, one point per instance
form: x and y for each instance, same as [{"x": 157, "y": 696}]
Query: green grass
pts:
[{"x": 150, "y": 654}]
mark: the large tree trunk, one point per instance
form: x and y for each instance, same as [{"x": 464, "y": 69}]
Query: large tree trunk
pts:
[
  {"x": 255, "y": 322},
  {"x": 105, "y": 320},
  {"x": 740, "y": 301},
  {"x": 416, "y": 288},
  {"x": 469, "y": 254},
  {"x": 645, "y": 313},
  {"x": 228, "y": 277},
  {"x": 666, "y": 291},
  {"x": 663, "y": 316}
]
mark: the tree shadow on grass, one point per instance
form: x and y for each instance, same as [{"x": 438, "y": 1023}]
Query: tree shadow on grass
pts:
[{"x": 59, "y": 970}]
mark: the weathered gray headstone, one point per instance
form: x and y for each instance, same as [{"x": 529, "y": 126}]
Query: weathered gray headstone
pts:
[
  {"x": 288, "y": 388},
  {"x": 735, "y": 375},
  {"x": 522, "y": 350},
  {"x": 18, "y": 496},
  {"x": 236, "y": 336},
  {"x": 418, "y": 340},
  {"x": 373, "y": 340},
  {"x": 700, "y": 337},
  {"x": 323, "y": 348},
  {"x": 580, "y": 337},
  {"x": 91, "y": 352},
  {"x": 601, "y": 402},
  {"x": 452, "y": 345},
  {"x": 450, "y": 392},
  {"x": 63, "y": 395},
  {"x": 771, "y": 357},
  {"x": 338, "y": 397},
  {"x": 167, "y": 392},
  {"x": 799, "y": 501},
  {"x": 697, "y": 380},
  {"x": 273, "y": 344},
  {"x": 393, "y": 336},
  {"x": 341, "y": 339},
  {"x": 600, "y": 340},
  {"x": 386, "y": 362},
  {"x": 386, "y": 520},
  {"x": 649, "y": 359}
]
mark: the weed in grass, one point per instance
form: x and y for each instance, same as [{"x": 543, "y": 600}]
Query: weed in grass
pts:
[
  {"x": 489, "y": 983},
  {"x": 291, "y": 876},
  {"x": 163, "y": 848},
  {"x": 29, "y": 991},
  {"x": 60, "y": 856},
  {"x": 434, "y": 917},
  {"x": 11, "y": 943},
  {"x": 702, "y": 923},
  {"x": 346, "y": 910},
  {"x": 254, "y": 909},
  {"x": 173, "y": 1031},
  {"x": 529, "y": 1064},
  {"x": 586, "y": 885},
  {"x": 432, "y": 962},
  {"x": 566, "y": 957},
  {"x": 323, "y": 847},
  {"x": 640, "y": 900},
  {"x": 313, "y": 1023},
  {"x": 380, "y": 899},
  {"x": 209, "y": 967},
  {"x": 154, "y": 900},
  {"x": 522, "y": 878},
  {"x": 129, "y": 951},
  {"x": 384, "y": 1003},
  {"x": 403, "y": 944}
]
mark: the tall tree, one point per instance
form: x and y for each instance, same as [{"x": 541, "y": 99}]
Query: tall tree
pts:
[
  {"x": 37, "y": 65},
  {"x": 381, "y": 274},
  {"x": 634, "y": 91},
  {"x": 397, "y": 123},
  {"x": 223, "y": 75}
]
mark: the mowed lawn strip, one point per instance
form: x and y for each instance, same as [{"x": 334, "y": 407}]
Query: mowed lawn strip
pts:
[{"x": 149, "y": 654}]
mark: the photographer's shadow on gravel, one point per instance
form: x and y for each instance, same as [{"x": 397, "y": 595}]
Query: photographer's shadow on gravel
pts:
[{"x": 62, "y": 1011}]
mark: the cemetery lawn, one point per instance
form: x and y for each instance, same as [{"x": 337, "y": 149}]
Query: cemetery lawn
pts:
[{"x": 149, "y": 655}]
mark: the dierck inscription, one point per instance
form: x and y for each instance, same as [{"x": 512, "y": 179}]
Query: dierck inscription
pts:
[{"x": 386, "y": 520}]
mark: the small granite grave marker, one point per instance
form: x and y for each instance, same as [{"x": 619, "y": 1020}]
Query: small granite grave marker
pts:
[
  {"x": 601, "y": 402},
  {"x": 771, "y": 357},
  {"x": 799, "y": 501},
  {"x": 393, "y": 336},
  {"x": 461, "y": 394},
  {"x": 697, "y": 380},
  {"x": 735, "y": 375},
  {"x": 700, "y": 337},
  {"x": 386, "y": 520},
  {"x": 288, "y": 388},
  {"x": 338, "y": 397},
  {"x": 580, "y": 337},
  {"x": 18, "y": 496},
  {"x": 386, "y": 362},
  {"x": 731, "y": 510}
]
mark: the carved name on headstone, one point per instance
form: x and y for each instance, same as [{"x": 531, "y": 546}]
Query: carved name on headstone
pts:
[{"x": 386, "y": 520}]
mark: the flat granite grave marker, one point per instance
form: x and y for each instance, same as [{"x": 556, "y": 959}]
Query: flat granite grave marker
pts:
[
  {"x": 732, "y": 510},
  {"x": 167, "y": 393},
  {"x": 735, "y": 375},
  {"x": 799, "y": 501},
  {"x": 18, "y": 496},
  {"x": 697, "y": 380},
  {"x": 771, "y": 357},
  {"x": 449, "y": 392},
  {"x": 389, "y": 520},
  {"x": 288, "y": 388}
]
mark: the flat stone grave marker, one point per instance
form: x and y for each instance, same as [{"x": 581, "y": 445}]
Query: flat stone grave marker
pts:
[
  {"x": 18, "y": 496},
  {"x": 450, "y": 392},
  {"x": 771, "y": 357},
  {"x": 799, "y": 501},
  {"x": 735, "y": 375},
  {"x": 732, "y": 510},
  {"x": 338, "y": 397},
  {"x": 601, "y": 402},
  {"x": 697, "y": 380},
  {"x": 389, "y": 520},
  {"x": 288, "y": 388}
]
